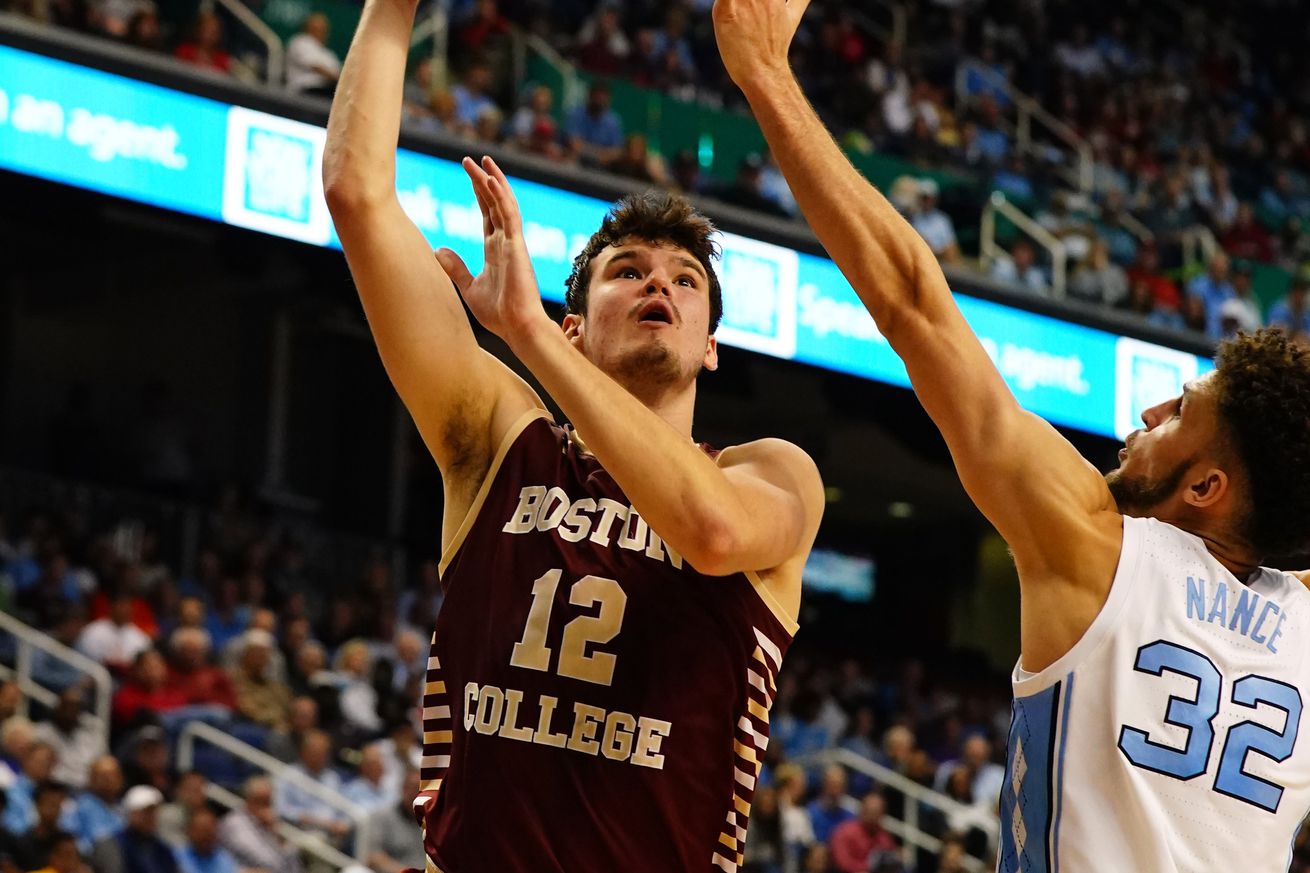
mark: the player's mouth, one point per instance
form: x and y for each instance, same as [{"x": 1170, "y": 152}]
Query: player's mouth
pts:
[{"x": 656, "y": 313}]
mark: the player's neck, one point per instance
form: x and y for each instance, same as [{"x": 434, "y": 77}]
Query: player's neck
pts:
[
  {"x": 1230, "y": 550},
  {"x": 676, "y": 404}
]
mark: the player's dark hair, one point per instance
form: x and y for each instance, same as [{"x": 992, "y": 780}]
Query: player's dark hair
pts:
[
  {"x": 657, "y": 217},
  {"x": 1264, "y": 406}
]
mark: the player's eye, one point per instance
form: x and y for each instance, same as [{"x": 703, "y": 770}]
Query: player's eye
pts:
[
  {"x": 628, "y": 273},
  {"x": 687, "y": 281}
]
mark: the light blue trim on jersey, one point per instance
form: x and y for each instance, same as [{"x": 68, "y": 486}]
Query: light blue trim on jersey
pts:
[
  {"x": 1031, "y": 806},
  {"x": 1059, "y": 776}
]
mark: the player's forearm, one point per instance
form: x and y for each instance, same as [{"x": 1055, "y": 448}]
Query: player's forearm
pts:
[
  {"x": 359, "y": 161},
  {"x": 679, "y": 491},
  {"x": 879, "y": 252}
]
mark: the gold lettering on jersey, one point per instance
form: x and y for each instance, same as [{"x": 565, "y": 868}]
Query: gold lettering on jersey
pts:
[
  {"x": 602, "y": 521},
  {"x": 618, "y": 736}
]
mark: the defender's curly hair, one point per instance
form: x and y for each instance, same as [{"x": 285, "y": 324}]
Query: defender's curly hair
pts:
[
  {"x": 1264, "y": 405},
  {"x": 659, "y": 217}
]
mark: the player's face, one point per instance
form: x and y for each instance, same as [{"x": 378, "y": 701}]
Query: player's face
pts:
[
  {"x": 1177, "y": 440},
  {"x": 648, "y": 316}
]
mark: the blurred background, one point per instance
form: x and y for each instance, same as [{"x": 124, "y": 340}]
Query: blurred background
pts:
[{"x": 219, "y": 529}]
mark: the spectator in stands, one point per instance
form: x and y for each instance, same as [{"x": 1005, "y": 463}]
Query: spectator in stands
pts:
[
  {"x": 33, "y": 844},
  {"x": 490, "y": 125},
  {"x": 1279, "y": 200},
  {"x": 1240, "y": 313},
  {"x": 96, "y": 813},
  {"x": 400, "y": 754},
  {"x": 300, "y": 807},
  {"x": 472, "y": 94},
  {"x": 935, "y": 226},
  {"x": 52, "y": 671},
  {"x": 146, "y": 693},
  {"x": 265, "y": 620},
  {"x": 1213, "y": 287},
  {"x": 146, "y": 755},
  {"x": 818, "y": 860},
  {"x": 285, "y": 745},
  {"x": 857, "y": 842},
  {"x": 312, "y": 67},
  {"x": 308, "y": 670},
  {"x": 1098, "y": 279},
  {"x": 369, "y": 788},
  {"x": 11, "y": 697},
  {"x": 1164, "y": 293},
  {"x": 601, "y": 46},
  {"x": 986, "y": 776},
  {"x": 594, "y": 129},
  {"x": 397, "y": 838},
  {"x": 484, "y": 33},
  {"x": 685, "y": 173},
  {"x": 745, "y": 190},
  {"x": 76, "y": 736},
  {"x": 359, "y": 699},
  {"x": 63, "y": 856},
  {"x": 203, "y": 46},
  {"x": 1292, "y": 313},
  {"x": 636, "y": 162},
  {"x": 199, "y": 682},
  {"x": 114, "y": 640},
  {"x": 1020, "y": 267},
  {"x": 797, "y": 829},
  {"x": 16, "y": 737},
  {"x": 952, "y": 855},
  {"x": 774, "y": 186},
  {"x": 144, "y": 30},
  {"x": 175, "y": 817},
  {"x": 522, "y": 131},
  {"x": 1247, "y": 238},
  {"x": 259, "y": 697},
  {"x": 138, "y": 848},
  {"x": 833, "y": 806},
  {"x": 202, "y": 852},
  {"x": 250, "y": 833},
  {"x": 20, "y": 800}
]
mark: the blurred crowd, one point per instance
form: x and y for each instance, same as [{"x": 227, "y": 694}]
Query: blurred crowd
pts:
[
  {"x": 245, "y": 641},
  {"x": 1193, "y": 121}
]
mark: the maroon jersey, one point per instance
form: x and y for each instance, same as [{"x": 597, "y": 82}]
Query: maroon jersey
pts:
[{"x": 593, "y": 703}]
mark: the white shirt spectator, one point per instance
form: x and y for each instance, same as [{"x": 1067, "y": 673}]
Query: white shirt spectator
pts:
[
  {"x": 304, "y": 55},
  {"x": 74, "y": 751},
  {"x": 1004, "y": 269},
  {"x": 108, "y": 643},
  {"x": 1241, "y": 314},
  {"x": 936, "y": 229}
]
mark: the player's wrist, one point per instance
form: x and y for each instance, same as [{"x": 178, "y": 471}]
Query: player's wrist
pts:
[{"x": 527, "y": 333}]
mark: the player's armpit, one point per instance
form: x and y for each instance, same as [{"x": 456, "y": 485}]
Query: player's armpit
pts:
[{"x": 779, "y": 504}]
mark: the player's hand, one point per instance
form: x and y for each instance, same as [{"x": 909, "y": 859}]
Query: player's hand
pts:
[
  {"x": 504, "y": 298},
  {"x": 755, "y": 35}
]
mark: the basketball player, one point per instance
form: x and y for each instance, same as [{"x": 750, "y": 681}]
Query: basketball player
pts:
[
  {"x": 1157, "y": 695},
  {"x": 618, "y": 597}
]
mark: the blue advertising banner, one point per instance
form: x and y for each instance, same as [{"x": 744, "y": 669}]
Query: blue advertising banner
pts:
[{"x": 108, "y": 133}]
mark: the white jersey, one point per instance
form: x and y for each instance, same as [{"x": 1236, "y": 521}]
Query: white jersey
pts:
[{"x": 1165, "y": 740}]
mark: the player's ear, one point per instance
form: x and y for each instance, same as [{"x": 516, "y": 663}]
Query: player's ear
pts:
[
  {"x": 574, "y": 329},
  {"x": 1208, "y": 489},
  {"x": 711, "y": 360}
]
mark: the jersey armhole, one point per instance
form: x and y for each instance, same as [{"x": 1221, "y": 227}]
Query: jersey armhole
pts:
[
  {"x": 762, "y": 589},
  {"x": 1125, "y": 577},
  {"x": 507, "y": 442}
]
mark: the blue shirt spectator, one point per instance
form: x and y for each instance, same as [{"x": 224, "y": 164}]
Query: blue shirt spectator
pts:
[
  {"x": 1213, "y": 287},
  {"x": 471, "y": 98},
  {"x": 594, "y": 128},
  {"x": 1292, "y": 313},
  {"x": 295, "y": 803},
  {"x": 370, "y": 789},
  {"x": 93, "y": 819},
  {"x": 191, "y": 860}
]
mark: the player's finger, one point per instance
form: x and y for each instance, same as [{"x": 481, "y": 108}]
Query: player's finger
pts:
[
  {"x": 497, "y": 195},
  {"x": 455, "y": 268},
  {"x": 507, "y": 192},
  {"x": 479, "y": 178}
]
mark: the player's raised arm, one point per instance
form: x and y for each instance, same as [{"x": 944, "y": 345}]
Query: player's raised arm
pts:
[
  {"x": 1041, "y": 495},
  {"x": 461, "y": 398},
  {"x": 756, "y": 509}
]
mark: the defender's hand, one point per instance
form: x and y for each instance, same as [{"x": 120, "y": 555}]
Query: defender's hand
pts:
[
  {"x": 755, "y": 36},
  {"x": 504, "y": 298}
]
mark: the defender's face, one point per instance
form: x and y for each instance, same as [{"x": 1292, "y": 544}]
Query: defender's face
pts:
[
  {"x": 648, "y": 314},
  {"x": 1179, "y": 434}
]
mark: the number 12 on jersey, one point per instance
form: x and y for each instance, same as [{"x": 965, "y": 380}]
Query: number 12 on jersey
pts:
[
  {"x": 1197, "y": 716},
  {"x": 532, "y": 653}
]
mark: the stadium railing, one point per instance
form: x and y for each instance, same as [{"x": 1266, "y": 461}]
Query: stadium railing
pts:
[
  {"x": 28, "y": 640},
  {"x": 912, "y": 837},
  {"x": 989, "y": 250},
  {"x": 198, "y": 732}
]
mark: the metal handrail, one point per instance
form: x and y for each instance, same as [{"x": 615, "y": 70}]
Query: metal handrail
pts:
[
  {"x": 275, "y": 68},
  {"x": 989, "y": 250},
  {"x": 915, "y": 794},
  {"x": 30, "y": 638},
  {"x": 899, "y": 27},
  {"x": 573, "y": 90},
  {"x": 195, "y": 730},
  {"x": 306, "y": 841},
  {"x": 435, "y": 27},
  {"x": 1198, "y": 237},
  {"x": 1029, "y": 109}
]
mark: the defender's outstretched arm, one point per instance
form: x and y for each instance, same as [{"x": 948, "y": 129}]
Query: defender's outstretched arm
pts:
[
  {"x": 1051, "y": 506},
  {"x": 461, "y": 398}
]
